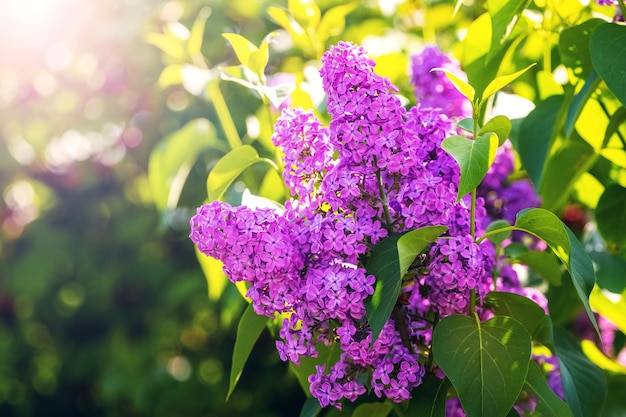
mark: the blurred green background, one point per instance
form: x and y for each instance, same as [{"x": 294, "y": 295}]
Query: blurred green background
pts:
[{"x": 103, "y": 307}]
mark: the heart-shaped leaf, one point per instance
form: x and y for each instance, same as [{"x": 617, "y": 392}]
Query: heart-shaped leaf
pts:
[{"x": 487, "y": 363}]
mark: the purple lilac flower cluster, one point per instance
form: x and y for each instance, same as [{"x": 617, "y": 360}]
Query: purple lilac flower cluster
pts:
[
  {"x": 432, "y": 88},
  {"x": 377, "y": 169}
]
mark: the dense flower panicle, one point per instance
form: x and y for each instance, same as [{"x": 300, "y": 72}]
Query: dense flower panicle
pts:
[
  {"x": 377, "y": 169},
  {"x": 433, "y": 89}
]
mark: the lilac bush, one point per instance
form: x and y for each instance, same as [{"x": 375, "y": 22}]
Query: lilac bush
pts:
[{"x": 378, "y": 169}]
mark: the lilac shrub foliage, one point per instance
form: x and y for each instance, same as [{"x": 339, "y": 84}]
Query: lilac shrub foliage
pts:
[{"x": 376, "y": 170}]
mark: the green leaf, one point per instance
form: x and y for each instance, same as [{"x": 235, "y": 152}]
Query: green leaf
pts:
[
  {"x": 574, "y": 47},
  {"x": 306, "y": 12},
  {"x": 310, "y": 408},
  {"x": 215, "y": 276},
  {"x": 528, "y": 313},
  {"x": 196, "y": 36},
  {"x": 429, "y": 398},
  {"x": 258, "y": 59},
  {"x": 608, "y": 54},
  {"x": 463, "y": 87},
  {"x": 373, "y": 410},
  {"x": 467, "y": 124},
  {"x": 610, "y": 267},
  {"x": 229, "y": 167},
  {"x": 548, "y": 227},
  {"x": 500, "y": 125},
  {"x": 578, "y": 102},
  {"x": 412, "y": 243},
  {"x": 474, "y": 158},
  {"x": 333, "y": 22},
  {"x": 548, "y": 403},
  {"x": 243, "y": 47},
  {"x": 498, "y": 238},
  {"x": 584, "y": 384},
  {"x": 504, "y": 15},
  {"x": 388, "y": 262},
  {"x": 172, "y": 159},
  {"x": 248, "y": 331},
  {"x": 243, "y": 75},
  {"x": 496, "y": 84},
  {"x": 327, "y": 355},
  {"x": 565, "y": 165},
  {"x": 487, "y": 363},
  {"x": 543, "y": 263},
  {"x": 611, "y": 215},
  {"x": 535, "y": 137}
]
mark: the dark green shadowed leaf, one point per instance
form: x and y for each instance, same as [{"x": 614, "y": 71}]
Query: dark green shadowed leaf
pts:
[
  {"x": 566, "y": 246},
  {"x": 474, "y": 158},
  {"x": 523, "y": 309},
  {"x": 389, "y": 261},
  {"x": 608, "y": 54},
  {"x": 310, "y": 408},
  {"x": 429, "y": 399},
  {"x": 535, "y": 137},
  {"x": 327, "y": 355},
  {"x": 248, "y": 331},
  {"x": 611, "y": 215},
  {"x": 543, "y": 263},
  {"x": 574, "y": 47},
  {"x": 486, "y": 362},
  {"x": 373, "y": 410},
  {"x": 498, "y": 238},
  {"x": 548, "y": 403},
  {"x": 584, "y": 383}
]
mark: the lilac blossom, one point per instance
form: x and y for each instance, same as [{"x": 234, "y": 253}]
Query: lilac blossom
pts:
[
  {"x": 377, "y": 169},
  {"x": 433, "y": 89}
]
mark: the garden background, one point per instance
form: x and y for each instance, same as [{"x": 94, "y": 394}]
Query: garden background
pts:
[{"x": 113, "y": 112}]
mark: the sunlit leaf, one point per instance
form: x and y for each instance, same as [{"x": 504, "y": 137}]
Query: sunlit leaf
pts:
[
  {"x": 584, "y": 384},
  {"x": 462, "y": 86},
  {"x": 500, "y": 125},
  {"x": 171, "y": 75},
  {"x": 548, "y": 403},
  {"x": 474, "y": 158},
  {"x": 388, "y": 262},
  {"x": 614, "y": 310},
  {"x": 248, "y": 331},
  {"x": 574, "y": 47},
  {"x": 172, "y": 158},
  {"x": 611, "y": 215},
  {"x": 258, "y": 59},
  {"x": 608, "y": 53},
  {"x": 229, "y": 167},
  {"x": 577, "y": 103},
  {"x": 548, "y": 227},
  {"x": 598, "y": 358},
  {"x": 169, "y": 44},
  {"x": 241, "y": 75},
  {"x": 412, "y": 243},
  {"x": 333, "y": 22},
  {"x": 215, "y": 276},
  {"x": 242, "y": 47},
  {"x": 429, "y": 398},
  {"x": 196, "y": 37},
  {"x": 504, "y": 15},
  {"x": 306, "y": 12},
  {"x": 499, "y": 82},
  {"x": 487, "y": 363}
]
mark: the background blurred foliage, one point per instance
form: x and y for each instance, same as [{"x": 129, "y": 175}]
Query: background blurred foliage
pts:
[{"x": 103, "y": 308}]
